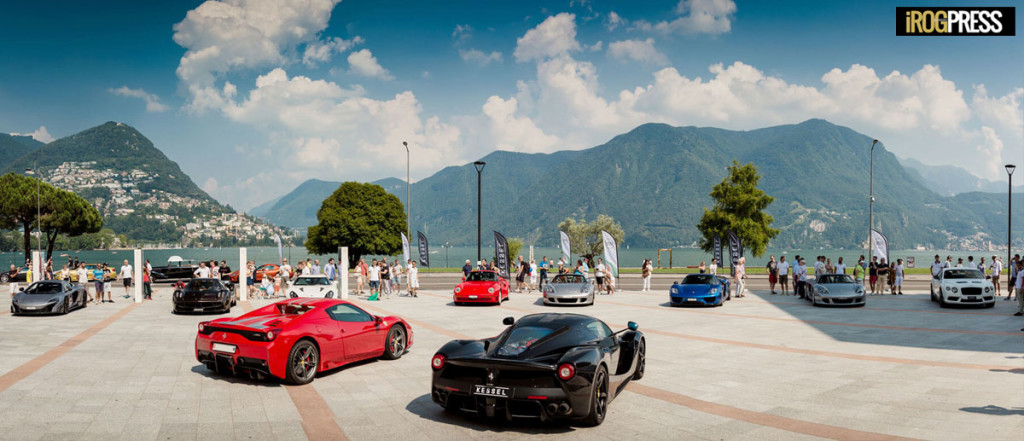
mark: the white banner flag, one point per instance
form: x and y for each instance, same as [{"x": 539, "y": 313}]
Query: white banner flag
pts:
[
  {"x": 405, "y": 250},
  {"x": 611, "y": 253},
  {"x": 879, "y": 246},
  {"x": 565, "y": 246}
]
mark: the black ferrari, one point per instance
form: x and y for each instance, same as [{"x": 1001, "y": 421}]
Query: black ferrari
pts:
[
  {"x": 202, "y": 295},
  {"x": 544, "y": 366}
]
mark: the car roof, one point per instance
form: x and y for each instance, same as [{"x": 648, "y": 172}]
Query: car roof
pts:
[{"x": 566, "y": 318}]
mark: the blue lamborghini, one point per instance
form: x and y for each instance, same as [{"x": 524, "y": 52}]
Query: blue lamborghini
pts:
[{"x": 700, "y": 289}]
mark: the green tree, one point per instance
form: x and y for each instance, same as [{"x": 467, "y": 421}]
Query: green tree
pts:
[
  {"x": 18, "y": 204},
  {"x": 70, "y": 215},
  {"x": 515, "y": 245},
  {"x": 364, "y": 217},
  {"x": 739, "y": 206},
  {"x": 585, "y": 238}
]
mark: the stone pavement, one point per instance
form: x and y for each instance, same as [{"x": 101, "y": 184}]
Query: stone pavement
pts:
[{"x": 761, "y": 367}]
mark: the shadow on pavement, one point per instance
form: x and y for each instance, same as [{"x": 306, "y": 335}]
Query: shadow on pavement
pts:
[
  {"x": 425, "y": 408},
  {"x": 910, "y": 320},
  {"x": 994, "y": 410}
]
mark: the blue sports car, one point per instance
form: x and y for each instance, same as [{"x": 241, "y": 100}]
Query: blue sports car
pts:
[{"x": 700, "y": 289}]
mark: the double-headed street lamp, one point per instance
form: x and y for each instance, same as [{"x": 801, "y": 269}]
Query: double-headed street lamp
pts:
[
  {"x": 479, "y": 169},
  {"x": 39, "y": 217},
  {"x": 1009, "y": 213},
  {"x": 871, "y": 201}
]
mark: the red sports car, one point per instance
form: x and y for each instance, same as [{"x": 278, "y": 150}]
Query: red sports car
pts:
[
  {"x": 482, "y": 287},
  {"x": 269, "y": 269},
  {"x": 296, "y": 338}
]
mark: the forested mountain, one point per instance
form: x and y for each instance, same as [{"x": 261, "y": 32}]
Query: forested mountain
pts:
[{"x": 13, "y": 147}]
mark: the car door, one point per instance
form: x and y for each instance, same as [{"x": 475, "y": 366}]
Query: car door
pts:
[
  {"x": 609, "y": 345},
  {"x": 330, "y": 338},
  {"x": 363, "y": 337}
]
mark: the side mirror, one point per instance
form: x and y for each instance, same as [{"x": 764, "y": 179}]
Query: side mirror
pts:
[
  {"x": 674, "y": 282},
  {"x": 377, "y": 319},
  {"x": 632, "y": 326},
  {"x": 508, "y": 321},
  {"x": 22, "y": 289}
]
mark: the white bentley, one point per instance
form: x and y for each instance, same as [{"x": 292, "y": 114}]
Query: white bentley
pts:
[
  {"x": 962, "y": 286},
  {"x": 311, "y": 286}
]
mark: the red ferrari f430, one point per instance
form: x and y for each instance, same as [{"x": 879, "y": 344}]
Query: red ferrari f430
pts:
[{"x": 296, "y": 338}]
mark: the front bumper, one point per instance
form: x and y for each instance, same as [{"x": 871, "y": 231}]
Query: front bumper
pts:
[
  {"x": 568, "y": 299},
  {"x": 476, "y": 298},
  {"x": 976, "y": 299},
  {"x": 202, "y": 305},
  {"x": 846, "y": 300},
  {"x": 698, "y": 300},
  {"x": 35, "y": 309}
]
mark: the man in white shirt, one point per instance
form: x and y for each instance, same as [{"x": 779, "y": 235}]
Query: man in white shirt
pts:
[
  {"x": 800, "y": 276},
  {"x": 83, "y": 279},
  {"x": 286, "y": 270},
  {"x": 819, "y": 266},
  {"x": 599, "y": 271},
  {"x": 897, "y": 284},
  {"x": 937, "y": 267},
  {"x": 203, "y": 272},
  {"x": 126, "y": 277},
  {"x": 784, "y": 275},
  {"x": 840, "y": 267},
  {"x": 713, "y": 269},
  {"x": 996, "y": 269}
]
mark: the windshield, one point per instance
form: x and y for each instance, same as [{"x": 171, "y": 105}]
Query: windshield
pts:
[
  {"x": 963, "y": 274},
  {"x": 835, "y": 278},
  {"x": 203, "y": 285},
  {"x": 44, "y": 288},
  {"x": 568, "y": 278},
  {"x": 699, "y": 279},
  {"x": 482, "y": 276},
  {"x": 311, "y": 281},
  {"x": 521, "y": 339}
]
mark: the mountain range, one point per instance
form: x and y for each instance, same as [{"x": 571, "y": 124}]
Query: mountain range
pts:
[
  {"x": 656, "y": 178},
  {"x": 950, "y": 180}
]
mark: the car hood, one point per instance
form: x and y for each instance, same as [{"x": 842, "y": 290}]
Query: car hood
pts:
[
  {"x": 477, "y": 285},
  {"x": 968, "y": 282},
  {"x": 694, "y": 289},
  {"x": 841, "y": 289},
  {"x": 312, "y": 288},
  {"x": 566, "y": 288},
  {"x": 199, "y": 294},
  {"x": 23, "y": 299}
]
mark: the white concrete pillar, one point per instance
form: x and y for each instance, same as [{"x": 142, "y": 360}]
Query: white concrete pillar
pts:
[
  {"x": 138, "y": 267},
  {"x": 343, "y": 274},
  {"x": 37, "y": 265},
  {"x": 243, "y": 275},
  {"x": 531, "y": 252}
]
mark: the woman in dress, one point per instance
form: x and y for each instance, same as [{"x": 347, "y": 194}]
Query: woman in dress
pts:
[{"x": 646, "y": 272}]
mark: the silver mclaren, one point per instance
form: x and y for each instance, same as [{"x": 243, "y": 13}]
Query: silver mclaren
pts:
[
  {"x": 837, "y": 289},
  {"x": 49, "y": 297},
  {"x": 569, "y": 289}
]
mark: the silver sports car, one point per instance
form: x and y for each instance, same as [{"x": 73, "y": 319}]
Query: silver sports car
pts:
[
  {"x": 49, "y": 297},
  {"x": 569, "y": 289},
  {"x": 837, "y": 289}
]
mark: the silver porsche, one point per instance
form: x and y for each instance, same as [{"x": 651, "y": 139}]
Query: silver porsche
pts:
[
  {"x": 837, "y": 289},
  {"x": 49, "y": 297},
  {"x": 569, "y": 289}
]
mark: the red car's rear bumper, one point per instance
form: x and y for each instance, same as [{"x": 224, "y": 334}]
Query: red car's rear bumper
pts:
[{"x": 249, "y": 356}]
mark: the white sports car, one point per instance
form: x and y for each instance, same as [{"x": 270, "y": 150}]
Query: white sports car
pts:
[
  {"x": 312, "y": 286},
  {"x": 962, "y": 286}
]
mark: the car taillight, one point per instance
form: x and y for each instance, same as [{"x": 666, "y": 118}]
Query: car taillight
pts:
[
  {"x": 566, "y": 371},
  {"x": 437, "y": 362},
  {"x": 202, "y": 328}
]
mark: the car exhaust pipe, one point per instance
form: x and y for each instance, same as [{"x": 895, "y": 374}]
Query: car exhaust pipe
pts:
[
  {"x": 552, "y": 408},
  {"x": 564, "y": 408}
]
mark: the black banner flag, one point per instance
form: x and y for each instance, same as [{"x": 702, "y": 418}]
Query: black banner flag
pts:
[
  {"x": 718, "y": 251},
  {"x": 424, "y": 250},
  {"x": 501, "y": 254}
]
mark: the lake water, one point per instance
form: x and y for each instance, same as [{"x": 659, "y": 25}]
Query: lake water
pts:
[{"x": 455, "y": 256}]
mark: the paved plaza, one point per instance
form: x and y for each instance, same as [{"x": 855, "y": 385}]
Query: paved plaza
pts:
[{"x": 760, "y": 368}]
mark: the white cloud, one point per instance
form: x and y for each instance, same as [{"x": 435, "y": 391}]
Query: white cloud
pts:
[
  {"x": 210, "y": 186},
  {"x": 322, "y": 51},
  {"x": 516, "y": 133},
  {"x": 637, "y": 50},
  {"x": 479, "y": 57},
  {"x": 152, "y": 101},
  {"x": 1005, "y": 112},
  {"x": 613, "y": 21},
  {"x": 696, "y": 17},
  {"x": 363, "y": 63},
  {"x": 555, "y": 36},
  {"x": 40, "y": 135},
  {"x": 462, "y": 33}
]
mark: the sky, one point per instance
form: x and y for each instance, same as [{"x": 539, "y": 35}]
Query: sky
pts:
[{"x": 252, "y": 98}]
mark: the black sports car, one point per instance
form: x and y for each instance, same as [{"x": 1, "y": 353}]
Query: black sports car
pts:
[
  {"x": 49, "y": 297},
  {"x": 546, "y": 366},
  {"x": 175, "y": 270},
  {"x": 201, "y": 295},
  {"x": 18, "y": 275}
]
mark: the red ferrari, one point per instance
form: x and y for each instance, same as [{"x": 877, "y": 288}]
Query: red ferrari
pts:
[
  {"x": 296, "y": 338},
  {"x": 270, "y": 269},
  {"x": 482, "y": 287}
]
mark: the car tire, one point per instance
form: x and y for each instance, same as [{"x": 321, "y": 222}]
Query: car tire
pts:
[
  {"x": 599, "y": 396},
  {"x": 4, "y": 278},
  {"x": 65, "y": 308},
  {"x": 641, "y": 360},
  {"x": 942, "y": 301},
  {"x": 303, "y": 360},
  {"x": 931, "y": 291},
  {"x": 395, "y": 343}
]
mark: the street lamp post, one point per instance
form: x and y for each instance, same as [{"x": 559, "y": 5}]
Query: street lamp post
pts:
[
  {"x": 408, "y": 202},
  {"x": 871, "y": 202},
  {"x": 446, "y": 246},
  {"x": 1009, "y": 213},
  {"x": 39, "y": 216},
  {"x": 479, "y": 169}
]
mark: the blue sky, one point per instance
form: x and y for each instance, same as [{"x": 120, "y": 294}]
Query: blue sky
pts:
[{"x": 286, "y": 91}]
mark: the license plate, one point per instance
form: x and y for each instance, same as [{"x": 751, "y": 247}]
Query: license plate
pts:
[
  {"x": 972, "y": 298},
  {"x": 30, "y": 308},
  {"x": 491, "y": 391},
  {"x": 221, "y": 347},
  {"x": 691, "y": 300},
  {"x": 472, "y": 297}
]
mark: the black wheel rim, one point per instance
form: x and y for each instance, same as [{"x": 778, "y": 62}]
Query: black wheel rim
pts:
[
  {"x": 396, "y": 343},
  {"x": 601, "y": 394},
  {"x": 641, "y": 359},
  {"x": 305, "y": 361}
]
